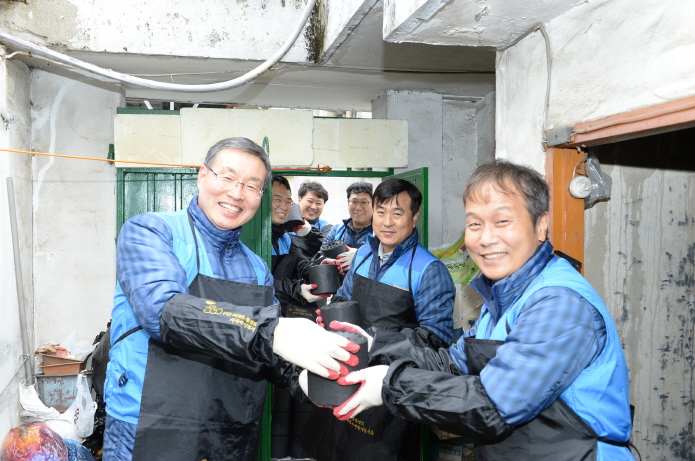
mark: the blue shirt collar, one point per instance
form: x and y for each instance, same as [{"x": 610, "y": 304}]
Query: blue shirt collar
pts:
[
  {"x": 405, "y": 245},
  {"x": 501, "y": 295},
  {"x": 210, "y": 233}
]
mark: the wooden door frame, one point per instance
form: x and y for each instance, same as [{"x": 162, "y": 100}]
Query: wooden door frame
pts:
[{"x": 566, "y": 225}]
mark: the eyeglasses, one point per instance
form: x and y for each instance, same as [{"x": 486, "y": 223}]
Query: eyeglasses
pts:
[
  {"x": 277, "y": 201},
  {"x": 230, "y": 182},
  {"x": 362, "y": 203}
]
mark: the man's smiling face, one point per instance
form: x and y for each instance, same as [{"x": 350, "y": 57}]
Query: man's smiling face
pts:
[
  {"x": 229, "y": 206},
  {"x": 500, "y": 235}
]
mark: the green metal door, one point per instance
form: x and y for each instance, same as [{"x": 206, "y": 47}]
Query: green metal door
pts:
[
  {"x": 143, "y": 190},
  {"x": 419, "y": 178}
]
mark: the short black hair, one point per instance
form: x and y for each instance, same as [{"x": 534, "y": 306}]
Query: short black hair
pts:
[
  {"x": 283, "y": 181},
  {"x": 359, "y": 188},
  {"x": 315, "y": 187},
  {"x": 392, "y": 187},
  {"x": 244, "y": 145},
  {"x": 510, "y": 178}
]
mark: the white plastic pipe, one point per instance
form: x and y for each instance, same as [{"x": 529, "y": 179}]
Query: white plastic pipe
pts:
[
  {"x": 19, "y": 281},
  {"x": 251, "y": 75}
]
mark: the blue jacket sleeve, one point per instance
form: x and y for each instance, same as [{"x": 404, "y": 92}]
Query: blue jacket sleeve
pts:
[
  {"x": 434, "y": 301},
  {"x": 147, "y": 269}
]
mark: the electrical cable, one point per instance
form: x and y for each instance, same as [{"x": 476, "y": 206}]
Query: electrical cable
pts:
[
  {"x": 319, "y": 168},
  {"x": 546, "y": 109},
  {"x": 41, "y": 50}
]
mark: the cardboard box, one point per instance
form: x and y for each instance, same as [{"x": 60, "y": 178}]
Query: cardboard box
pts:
[{"x": 54, "y": 366}]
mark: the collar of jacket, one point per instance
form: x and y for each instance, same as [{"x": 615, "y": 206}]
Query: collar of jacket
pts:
[
  {"x": 277, "y": 231},
  {"x": 218, "y": 238},
  {"x": 405, "y": 245},
  {"x": 348, "y": 224},
  {"x": 501, "y": 295}
]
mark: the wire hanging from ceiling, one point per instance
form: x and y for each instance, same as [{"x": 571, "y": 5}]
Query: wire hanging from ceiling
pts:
[{"x": 249, "y": 76}]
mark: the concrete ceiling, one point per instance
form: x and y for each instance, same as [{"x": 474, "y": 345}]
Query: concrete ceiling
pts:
[
  {"x": 495, "y": 23},
  {"x": 357, "y": 70}
]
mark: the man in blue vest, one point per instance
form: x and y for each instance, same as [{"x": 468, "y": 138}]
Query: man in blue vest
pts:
[
  {"x": 196, "y": 332},
  {"x": 354, "y": 230},
  {"x": 542, "y": 374},
  {"x": 312, "y": 198},
  {"x": 398, "y": 284}
]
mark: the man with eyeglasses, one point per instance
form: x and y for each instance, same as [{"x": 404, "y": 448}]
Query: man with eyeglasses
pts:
[
  {"x": 296, "y": 300},
  {"x": 195, "y": 332},
  {"x": 355, "y": 229}
]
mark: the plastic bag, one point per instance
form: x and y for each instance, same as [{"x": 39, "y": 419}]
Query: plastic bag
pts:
[
  {"x": 33, "y": 441},
  {"x": 83, "y": 408},
  {"x": 601, "y": 183},
  {"x": 77, "y": 346},
  {"x": 76, "y": 423},
  {"x": 457, "y": 261},
  {"x": 32, "y": 406},
  {"x": 77, "y": 451}
]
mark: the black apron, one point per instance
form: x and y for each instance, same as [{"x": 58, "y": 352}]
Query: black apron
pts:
[
  {"x": 375, "y": 434},
  {"x": 196, "y": 407},
  {"x": 557, "y": 433}
]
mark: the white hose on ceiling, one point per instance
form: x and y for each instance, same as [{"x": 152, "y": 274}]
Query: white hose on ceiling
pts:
[{"x": 251, "y": 75}]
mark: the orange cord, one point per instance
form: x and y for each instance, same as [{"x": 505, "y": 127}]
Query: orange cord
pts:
[{"x": 321, "y": 169}]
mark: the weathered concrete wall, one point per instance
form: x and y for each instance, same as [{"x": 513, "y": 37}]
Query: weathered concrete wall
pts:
[
  {"x": 468, "y": 139},
  {"x": 459, "y": 145},
  {"x": 450, "y": 137},
  {"x": 423, "y": 111},
  {"x": 74, "y": 205},
  {"x": 215, "y": 28},
  {"x": 640, "y": 256},
  {"x": 608, "y": 57},
  {"x": 15, "y": 134}
]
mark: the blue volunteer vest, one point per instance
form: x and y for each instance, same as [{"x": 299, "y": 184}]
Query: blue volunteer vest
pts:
[
  {"x": 397, "y": 275},
  {"x": 129, "y": 356},
  {"x": 600, "y": 393},
  {"x": 284, "y": 244}
]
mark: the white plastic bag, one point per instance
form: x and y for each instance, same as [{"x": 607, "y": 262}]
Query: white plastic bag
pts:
[
  {"x": 33, "y": 408},
  {"x": 77, "y": 346},
  {"x": 84, "y": 408}
]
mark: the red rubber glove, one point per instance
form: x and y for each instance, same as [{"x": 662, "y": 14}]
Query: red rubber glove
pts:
[{"x": 335, "y": 262}]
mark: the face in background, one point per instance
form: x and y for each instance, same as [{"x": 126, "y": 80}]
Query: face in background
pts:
[
  {"x": 500, "y": 236},
  {"x": 393, "y": 221},
  {"x": 311, "y": 206},
  {"x": 360, "y": 209},
  {"x": 230, "y": 205},
  {"x": 282, "y": 203}
]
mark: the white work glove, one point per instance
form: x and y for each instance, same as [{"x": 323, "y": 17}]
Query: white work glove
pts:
[
  {"x": 308, "y": 295},
  {"x": 303, "y": 229},
  {"x": 304, "y": 382},
  {"x": 304, "y": 343},
  {"x": 345, "y": 259},
  {"x": 368, "y": 395},
  {"x": 345, "y": 326}
]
